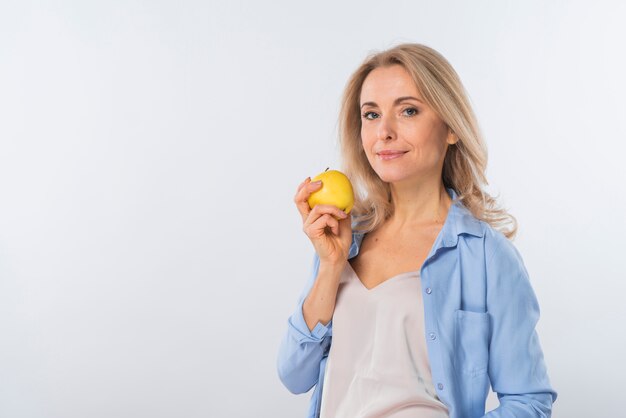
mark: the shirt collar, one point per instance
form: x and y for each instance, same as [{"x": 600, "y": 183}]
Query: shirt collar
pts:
[{"x": 458, "y": 221}]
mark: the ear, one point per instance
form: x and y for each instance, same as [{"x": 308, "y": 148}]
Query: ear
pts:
[{"x": 452, "y": 138}]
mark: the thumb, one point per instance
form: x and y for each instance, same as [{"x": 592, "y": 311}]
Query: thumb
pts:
[{"x": 345, "y": 228}]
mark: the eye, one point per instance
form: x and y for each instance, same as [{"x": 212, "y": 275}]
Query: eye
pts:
[
  {"x": 365, "y": 115},
  {"x": 412, "y": 109}
]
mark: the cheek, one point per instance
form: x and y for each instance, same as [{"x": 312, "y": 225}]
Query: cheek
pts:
[{"x": 367, "y": 139}]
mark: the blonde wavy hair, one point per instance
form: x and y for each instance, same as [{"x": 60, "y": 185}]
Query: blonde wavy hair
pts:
[{"x": 465, "y": 161}]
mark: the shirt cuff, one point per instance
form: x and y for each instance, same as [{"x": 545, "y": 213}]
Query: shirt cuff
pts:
[{"x": 298, "y": 323}]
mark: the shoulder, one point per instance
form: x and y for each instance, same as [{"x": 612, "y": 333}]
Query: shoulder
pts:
[
  {"x": 506, "y": 276},
  {"x": 505, "y": 268},
  {"x": 482, "y": 233},
  {"x": 498, "y": 252}
]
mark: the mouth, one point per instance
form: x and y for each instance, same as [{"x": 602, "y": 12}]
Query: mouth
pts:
[{"x": 391, "y": 156}]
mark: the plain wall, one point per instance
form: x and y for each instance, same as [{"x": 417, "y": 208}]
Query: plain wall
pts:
[{"x": 150, "y": 249}]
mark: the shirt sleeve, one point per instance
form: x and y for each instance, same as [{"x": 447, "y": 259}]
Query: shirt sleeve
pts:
[
  {"x": 301, "y": 350},
  {"x": 516, "y": 364}
]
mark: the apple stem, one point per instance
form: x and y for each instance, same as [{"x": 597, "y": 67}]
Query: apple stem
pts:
[{"x": 326, "y": 169}]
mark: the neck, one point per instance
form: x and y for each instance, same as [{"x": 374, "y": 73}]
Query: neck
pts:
[{"x": 419, "y": 205}]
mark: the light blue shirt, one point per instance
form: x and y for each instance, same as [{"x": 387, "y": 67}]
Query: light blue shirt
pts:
[{"x": 480, "y": 313}]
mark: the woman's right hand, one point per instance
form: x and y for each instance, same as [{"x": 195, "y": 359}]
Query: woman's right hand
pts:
[{"x": 328, "y": 227}]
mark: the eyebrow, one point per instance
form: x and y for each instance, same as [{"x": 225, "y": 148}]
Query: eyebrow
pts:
[{"x": 398, "y": 100}]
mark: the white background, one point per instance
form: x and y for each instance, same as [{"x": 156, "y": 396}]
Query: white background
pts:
[{"x": 150, "y": 250}]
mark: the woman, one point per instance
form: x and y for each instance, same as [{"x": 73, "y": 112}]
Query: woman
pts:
[{"x": 424, "y": 297}]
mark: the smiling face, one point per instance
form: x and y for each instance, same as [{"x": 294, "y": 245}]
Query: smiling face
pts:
[{"x": 395, "y": 117}]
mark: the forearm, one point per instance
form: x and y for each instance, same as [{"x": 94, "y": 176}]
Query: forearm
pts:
[{"x": 319, "y": 304}]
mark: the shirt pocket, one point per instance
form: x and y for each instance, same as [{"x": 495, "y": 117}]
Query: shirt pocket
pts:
[{"x": 471, "y": 344}]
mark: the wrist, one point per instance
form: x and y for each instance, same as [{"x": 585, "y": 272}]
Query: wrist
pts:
[{"x": 331, "y": 268}]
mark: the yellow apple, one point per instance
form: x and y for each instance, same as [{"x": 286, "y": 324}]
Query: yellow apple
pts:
[{"x": 336, "y": 190}]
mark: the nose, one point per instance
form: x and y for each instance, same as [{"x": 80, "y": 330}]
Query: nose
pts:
[{"x": 386, "y": 129}]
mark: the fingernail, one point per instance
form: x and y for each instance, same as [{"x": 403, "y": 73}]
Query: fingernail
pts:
[{"x": 317, "y": 183}]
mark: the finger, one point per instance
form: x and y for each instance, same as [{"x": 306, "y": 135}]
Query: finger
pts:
[
  {"x": 314, "y": 215},
  {"x": 303, "y": 183},
  {"x": 335, "y": 226},
  {"x": 345, "y": 226},
  {"x": 332, "y": 210},
  {"x": 337, "y": 213},
  {"x": 301, "y": 198},
  {"x": 318, "y": 227}
]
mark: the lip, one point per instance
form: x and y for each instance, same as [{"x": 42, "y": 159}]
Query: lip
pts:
[
  {"x": 391, "y": 156},
  {"x": 390, "y": 152}
]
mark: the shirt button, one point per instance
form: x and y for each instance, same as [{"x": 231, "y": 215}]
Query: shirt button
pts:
[
  {"x": 432, "y": 336},
  {"x": 440, "y": 386},
  {"x": 429, "y": 290}
]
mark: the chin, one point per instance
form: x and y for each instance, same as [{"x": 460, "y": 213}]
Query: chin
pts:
[{"x": 388, "y": 176}]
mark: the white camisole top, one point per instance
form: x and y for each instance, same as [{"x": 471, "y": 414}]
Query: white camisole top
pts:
[{"x": 378, "y": 364}]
